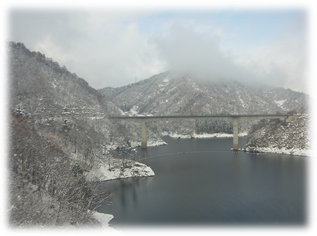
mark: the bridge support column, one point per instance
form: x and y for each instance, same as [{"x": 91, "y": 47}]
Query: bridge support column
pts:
[
  {"x": 143, "y": 135},
  {"x": 235, "y": 135}
]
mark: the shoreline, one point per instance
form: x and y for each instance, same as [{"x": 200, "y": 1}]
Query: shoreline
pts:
[{"x": 137, "y": 170}]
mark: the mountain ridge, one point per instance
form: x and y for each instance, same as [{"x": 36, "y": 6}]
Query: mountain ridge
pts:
[{"x": 172, "y": 93}]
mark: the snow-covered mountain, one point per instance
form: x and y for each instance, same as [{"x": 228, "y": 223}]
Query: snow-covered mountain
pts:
[
  {"x": 172, "y": 93},
  {"x": 58, "y": 101}
]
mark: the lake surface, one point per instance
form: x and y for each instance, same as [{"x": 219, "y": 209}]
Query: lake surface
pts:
[{"x": 202, "y": 182}]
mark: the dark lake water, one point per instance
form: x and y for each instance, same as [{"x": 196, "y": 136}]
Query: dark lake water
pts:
[{"x": 202, "y": 182}]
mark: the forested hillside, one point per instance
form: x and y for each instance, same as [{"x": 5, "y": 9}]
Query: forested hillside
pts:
[
  {"x": 46, "y": 187},
  {"x": 59, "y": 135},
  {"x": 61, "y": 105},
  {"x": 280, "y": 137}
]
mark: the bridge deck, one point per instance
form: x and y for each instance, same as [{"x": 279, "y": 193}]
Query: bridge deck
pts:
[{"x": 213, "y": 117}]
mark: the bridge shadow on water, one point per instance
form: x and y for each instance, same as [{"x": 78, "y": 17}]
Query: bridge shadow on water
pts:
[{"x": 144, "y": 154}]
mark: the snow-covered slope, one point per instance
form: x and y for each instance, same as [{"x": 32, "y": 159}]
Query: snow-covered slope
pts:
[
  {"x": 59, "y": 134},
  {"x": 60, "y": 103},
  {"x": 281, "y": 137},
  {"x": 184, "y": 94}
]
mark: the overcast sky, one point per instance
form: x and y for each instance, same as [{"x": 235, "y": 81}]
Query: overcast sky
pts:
[{"x": 117, "y": 47}]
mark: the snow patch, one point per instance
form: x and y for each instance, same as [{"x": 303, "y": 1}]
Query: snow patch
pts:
[
  {"x": 103, "y": 219},
  {"x": 242, "y": 102},
  {"x": 154, "y": 143},
  {"x": 96, "y": 117},
  {"x": 134, "y": 110},
  {"x": 164, "y": 133},
  {"x": 280, "y": 102}
]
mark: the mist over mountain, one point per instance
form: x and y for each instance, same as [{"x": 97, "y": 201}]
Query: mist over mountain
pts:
[{"x": 174, "y": 93}]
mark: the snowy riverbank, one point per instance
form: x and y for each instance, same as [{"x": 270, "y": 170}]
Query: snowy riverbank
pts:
[
  {"x": 150, "y": 143},
  {"x": 117, "y": 171},
  {"x": 215, "y": 135},
  {"x": 276, "y": 150},
  {"x": 104, "y": 220},
  {"x": 134, "y": 144}
]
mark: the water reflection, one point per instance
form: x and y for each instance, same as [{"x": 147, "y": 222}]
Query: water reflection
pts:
[
  {"x": 144, "y": 155},
  {"x": 128, "y": 192}
]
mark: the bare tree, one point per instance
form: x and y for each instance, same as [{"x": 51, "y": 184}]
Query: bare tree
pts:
[{"x": 46, "y": 188}]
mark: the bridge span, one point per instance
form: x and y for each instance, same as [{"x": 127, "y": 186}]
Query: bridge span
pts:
[{"x": 231, "y": 118}]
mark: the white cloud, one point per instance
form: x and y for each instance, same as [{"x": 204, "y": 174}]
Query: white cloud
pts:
[
  {"x": 283, "y": 62},
  {"x": 112, "y": 48}
]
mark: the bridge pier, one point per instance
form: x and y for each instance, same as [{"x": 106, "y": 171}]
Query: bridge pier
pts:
[
  {"x": 231, "y": 118},
  {"x": 143, "y": 135},
  {"x": 235, "y": 135}
]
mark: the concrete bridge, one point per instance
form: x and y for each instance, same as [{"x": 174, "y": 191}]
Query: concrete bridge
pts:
[{"x": 231, "y": 118}]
